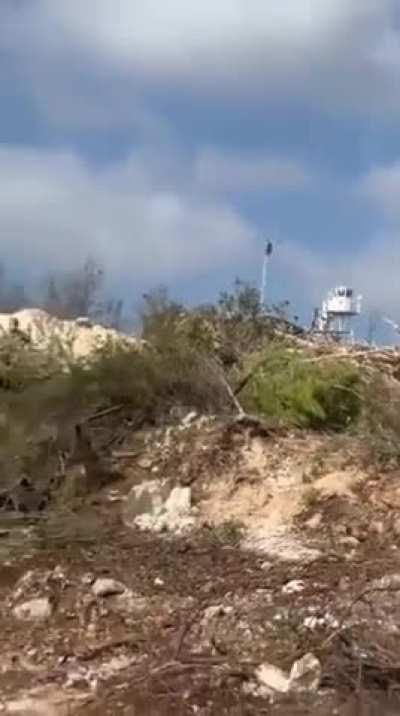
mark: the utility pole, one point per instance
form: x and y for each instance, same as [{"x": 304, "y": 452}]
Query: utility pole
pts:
[{"x": 266, "y": 260}]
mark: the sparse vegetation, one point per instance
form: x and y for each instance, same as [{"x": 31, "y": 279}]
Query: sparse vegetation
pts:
[
  {"x": 380, "y": 424},
  {"x": 288, "y": 387},
  {"x": 194, "y": 359}
]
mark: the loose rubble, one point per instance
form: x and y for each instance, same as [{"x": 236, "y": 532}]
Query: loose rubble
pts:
[{"x": 217, "y": 579}]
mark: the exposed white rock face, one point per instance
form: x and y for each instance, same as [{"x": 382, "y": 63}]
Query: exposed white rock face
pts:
[{"x": 155, "y": 506}]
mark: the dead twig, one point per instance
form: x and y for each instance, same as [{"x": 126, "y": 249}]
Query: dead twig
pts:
[
  {"x": 126, "y": 454},
  {"x": 104, "y": 413}
]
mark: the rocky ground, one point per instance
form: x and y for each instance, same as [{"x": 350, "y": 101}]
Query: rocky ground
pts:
[{"x": 231, "y": 570}]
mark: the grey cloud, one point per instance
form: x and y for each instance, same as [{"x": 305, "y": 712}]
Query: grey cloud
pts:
[
  {"x": 326, "y": 51},
  {"x": 56, "y": 209}
]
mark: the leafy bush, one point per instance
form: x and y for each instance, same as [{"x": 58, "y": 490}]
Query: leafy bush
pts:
[{"x": 294, "y": 390}]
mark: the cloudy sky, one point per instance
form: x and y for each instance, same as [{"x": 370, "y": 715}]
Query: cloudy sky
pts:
[{"x": 169, "y": 139}]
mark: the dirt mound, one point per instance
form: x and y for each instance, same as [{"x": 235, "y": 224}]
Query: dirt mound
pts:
[
  {"x": 78, "y": 338},
  {"x": 259, "y": 484}
]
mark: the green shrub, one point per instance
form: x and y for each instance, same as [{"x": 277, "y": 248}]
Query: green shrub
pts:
[{"x": 293, "y": 390}]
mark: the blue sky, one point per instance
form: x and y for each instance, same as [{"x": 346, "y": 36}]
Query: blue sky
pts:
[{"x": 169, "y": 139}]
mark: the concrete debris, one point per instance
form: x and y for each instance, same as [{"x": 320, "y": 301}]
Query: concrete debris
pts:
[
  {"x": 314, "y": 522},
  {"x": 272, "y": 679},
  {"x": 293, "y": 587},
  {"x": 154, "y": 506},
  {"x": 34, "y": 610},
  {"x": 305, "y": 675},
  {"x": 45, "y": 702},
  {"x": 107, "y": 587}
]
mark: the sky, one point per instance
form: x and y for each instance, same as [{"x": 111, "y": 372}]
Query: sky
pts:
[{"x": 170, "y": 139}]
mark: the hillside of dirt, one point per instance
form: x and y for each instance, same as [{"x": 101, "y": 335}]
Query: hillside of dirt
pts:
[
  {"x": 185, "y": 534},
  {"x": 287, "y": 547}
]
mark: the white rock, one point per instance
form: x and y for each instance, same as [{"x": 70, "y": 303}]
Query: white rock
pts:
[
  {"x": 107, "y": 587},
  {"x": 305, "y": 675},
  {"x": 314, "y": 522},
  {"x": 272, "y": 678},
  {"x": 390, "y": 581},
  {"x": 154, "y": 506},
  {"x": 294, "y": 587},
  {"x": 33, "y": 610},
  {"x": 188, "y": 419},
  {"x": 47, "y": 701},
  {"x": 88, "y": 579}
]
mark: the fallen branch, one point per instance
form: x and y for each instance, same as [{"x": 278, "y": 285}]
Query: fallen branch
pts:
[{"x": 112, "y": 644}]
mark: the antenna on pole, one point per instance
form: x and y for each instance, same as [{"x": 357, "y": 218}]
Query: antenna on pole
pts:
[{"x": 267, "y": 255}]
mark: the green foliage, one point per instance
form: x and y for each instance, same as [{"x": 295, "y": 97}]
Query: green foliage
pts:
[{"x": 296, "y": 391}]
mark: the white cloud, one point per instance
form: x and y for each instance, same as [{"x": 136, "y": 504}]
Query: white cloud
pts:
[
  {"x": 55, "y": 209},
  {"x": 377, "y": 269},
  {"x": 220, "y": 171},
  {"x": 382, "y": 187},
  {"x": 147, "y": 221},
  {"x": 325, "y": 50}
]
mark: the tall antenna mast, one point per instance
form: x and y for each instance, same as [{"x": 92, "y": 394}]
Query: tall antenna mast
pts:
[{"x": 266, "y": 261}]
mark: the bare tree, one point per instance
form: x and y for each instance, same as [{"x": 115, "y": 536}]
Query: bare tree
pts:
[{"x": 75, "y": 293}]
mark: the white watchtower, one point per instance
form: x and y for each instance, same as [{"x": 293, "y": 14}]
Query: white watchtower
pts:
[{"x": 337, "y": 311}]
